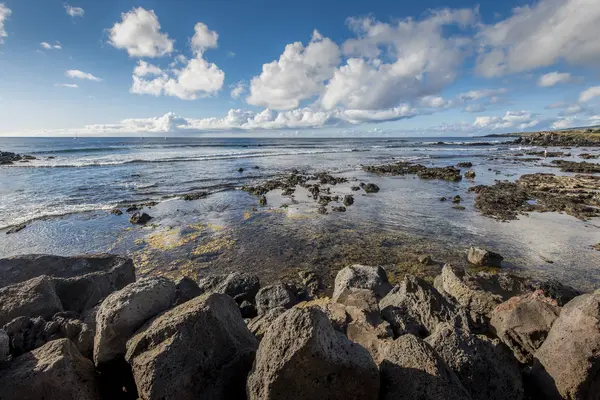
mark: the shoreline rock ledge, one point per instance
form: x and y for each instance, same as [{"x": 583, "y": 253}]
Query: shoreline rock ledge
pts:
[{"x": 86, "y": 328}]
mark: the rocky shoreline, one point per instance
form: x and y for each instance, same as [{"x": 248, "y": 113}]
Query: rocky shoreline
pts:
[{"x": 86, "y": 328}]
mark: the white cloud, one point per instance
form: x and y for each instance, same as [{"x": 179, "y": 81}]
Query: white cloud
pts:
[
  {"x": 564, "y": 123},
  {"x": 554, "y": 78},
  {"x": 475, "y": 108},
  {"x": 203, "y": 38},
  {"x": 188, "y": 79},
  {"x": 76, "y": 74},
  {"x": 144, "y": 69},
  {"x": 474, "y": 95},
  {"x": 139, "y": 34},
  {"x": 238, "y": 89},
  {"x": 66, "y": 85},
  {"x": 394, "y": 63},
  {"x": 48, "y": 46},
  {"x": 74, "y": 11},
  {"x": 4, "y": 14},
  {"x": 230, "y": 54},
  {"x": 539, "y": 36},
  {"x": 519, "y": 120},
  {"x": 589, "y": 94},
  {"x": 299, "y": 74}
]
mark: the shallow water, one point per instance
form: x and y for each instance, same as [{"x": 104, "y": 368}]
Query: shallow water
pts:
[{"x": 227, "y": 231}]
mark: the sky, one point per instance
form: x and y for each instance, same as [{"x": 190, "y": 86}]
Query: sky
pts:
[{"x": 314, "y": 68}]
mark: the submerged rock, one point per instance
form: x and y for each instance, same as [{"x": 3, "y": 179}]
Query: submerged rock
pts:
[
  {"x": 470, "y": 174},
  {"x": 369, "y": 187},
  {"x": 140, "y": 218},
  {"x": 348, "y": 200},
  {"x": 411, "y": 369},
  {"x": 16, "y": 228},
  {"x": 570, "y": 355},
  {"x": 54, "y": 371},
  {"x": 302, "y": 357},
  {"x": 194, "y": 196},
  {"x": 200, "y": 349}
]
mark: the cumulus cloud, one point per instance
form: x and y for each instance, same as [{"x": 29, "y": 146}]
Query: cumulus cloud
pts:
[
  {"x": 67, "y": 85},
  {"x": 299, "y": 74},
  {"x": 203, "y": 38},
  {"x": 74, "y": 11},
  {"x": 139, "y": 34},
  {"x": 392, "y": 63},
  {"x": 519, "y": 120},
  {"x": 187, "y": 79},
  {"x": 475, "y": 108},
  {"x": 539, "y": 36},
  {"x": 589, "y": 94},
  {"x": 554, "y": 78},
  {"x": 48, "y": 46},
  {"x": 4, "y": 14},
  {"x": 76, "y": 74},
  {"x": 480, "y": 94},
  {"x": 238, "y": 89}
]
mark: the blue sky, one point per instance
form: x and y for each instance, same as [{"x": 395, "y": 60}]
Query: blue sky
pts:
[{"x": 317, "y": 67}]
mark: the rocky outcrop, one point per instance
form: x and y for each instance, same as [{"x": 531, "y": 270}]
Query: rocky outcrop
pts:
[
  {"x": 80, "y": 282},
  {"x": 260, "y": 324},
  {"x": 484, "y": 366},
  {"x": 185, "y": 290},
  {"x": 415, "y": 301},
  {"x": 4, "y": 346},
  {"x": 303, "y": 357},
  {"x": 32, "y": 298},
  {"x": 200, "y": 349},
  {"x": 26, "y": 334},
  {"x": 54, "y": 371},
  {"x": 277, "y": 295},
  {"x": 484, "y": 258},
  {"x": 411, "y": 369},
  {"x": 523, "y": 323},
  {"x": 362, "y": 277},
  {"x": 483, "y": 291},
  {"x": 571, "y": 352},
  {"x": 238, "y": 285},
  {"x": 123, "y": 312}
]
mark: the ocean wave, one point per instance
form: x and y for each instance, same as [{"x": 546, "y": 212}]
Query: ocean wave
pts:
[
  {"x": 46, "y": 212},
  {"x": 214, "y": 157}
]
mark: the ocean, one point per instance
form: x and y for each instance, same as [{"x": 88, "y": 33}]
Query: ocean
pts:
[{"x": 65, "y": 195}]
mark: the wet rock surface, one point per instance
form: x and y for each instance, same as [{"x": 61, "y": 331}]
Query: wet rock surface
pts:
[
  {"x": 578, "y": 167},
  {"x": 574, "y": 195},
  {"x": 423, "y": 172}
]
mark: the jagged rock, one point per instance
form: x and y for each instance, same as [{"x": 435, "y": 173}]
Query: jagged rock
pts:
[
  {"x": 277, "y": 295},
  {"x": 124, "y": 311},
  {"x": 260, "y": 324},
  {"x": 557, "y": 291},
  {"x": 415, "y": 301},
  {"x": 368, "y": 335},
  {"x": 185, "y": 289},
  {"x": 336, "y": 312},
  {"x": 364, "y": 300},
  {"x": 480, "y": 293},
  {"x": 523, "y": 323},
  {"x": 53, "y": 371},
  {"x": 238, "y": 285},
  {"x": 484, "y": 258},
  {"x": 411, "y": 369},
  {"x": 571, "y": 352},
  {"x": 369, "y": 187},
  {"x": 32, "y": 298},
  {"x": 4, "y": 346},
  {"x": 485, "y": 367},
  {"x": 248, "y": 310},
  {"x": 362, "y": 277},
  {"x": 199, "y": 349},
  {"x": 348, "y": 200},
  {"x": 311, "y": 281},
  {"x": 470, "y": 174},
  {"x": 80, "y": 282},
  {"x": 302, "y": 357}
]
